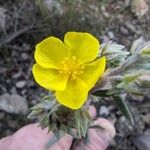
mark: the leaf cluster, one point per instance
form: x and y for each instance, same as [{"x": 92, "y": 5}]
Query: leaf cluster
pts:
[
  {"x": 130, "y": 76},
  {"x": 60, "y": 119}
]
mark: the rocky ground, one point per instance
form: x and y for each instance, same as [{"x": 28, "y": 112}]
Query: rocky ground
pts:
[{"x": 24, "y": 23}]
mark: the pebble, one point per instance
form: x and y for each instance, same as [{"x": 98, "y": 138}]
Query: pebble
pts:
[
  {"x": 13, "y": 103},
  {"x": 142, "y": 142},
  {"x": 104, "y": 111},
  {"x": 20, "y": 84},
  {"x": 16, "y": 75},
  {"x": 1, "y": 115},
  {"x": 140, "y": 7},
  {"x": 131, "y": 27},
  {"x": 2, "y": 18},
  {"x": 146, "y": 118},
  {"x": 137, "y": 98},
  {"x": 26, "y": 47},
  {"x": 124, "y": 31},
  {"x": 111, "y": 34},
  {"x": 106, "y": 14},
  {"x": 13, "y": 90},
  {"x": 127, "y": 3},
  {"x": 24, "y": 56},
  {"x": 3, "y": 70},
  {"x": 54, "y": 6}
]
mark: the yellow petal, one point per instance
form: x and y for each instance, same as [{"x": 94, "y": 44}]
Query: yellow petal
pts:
[
  {"x": 93, "y": 71},
  {"x": 50, "y": 52},
  {"x": 74, "y": 95},
  {"x": 48, "y": 78},
  {"x": 82, "y": 45}
]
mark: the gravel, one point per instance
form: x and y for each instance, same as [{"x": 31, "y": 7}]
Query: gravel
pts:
[{"x": 14, "y": 104}]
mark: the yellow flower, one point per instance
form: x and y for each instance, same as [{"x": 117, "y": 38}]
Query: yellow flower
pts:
[{"x": 69, "y": 68}]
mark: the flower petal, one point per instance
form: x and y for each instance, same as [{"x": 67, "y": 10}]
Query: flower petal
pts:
[
  {"x": 49, "y": 78},
  {"x": 50, "y": 52},
  {"x": 93, "y": 71},
  {"x": 82, "y": 45},
  {"x": 74, "y": 95}
]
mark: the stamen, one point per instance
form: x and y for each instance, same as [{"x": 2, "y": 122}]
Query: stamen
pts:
[{"x": 71, "y": 67}]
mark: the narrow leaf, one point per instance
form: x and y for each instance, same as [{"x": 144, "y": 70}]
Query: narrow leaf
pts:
[
  {"x": 86, "y": 140},
  {"x": 123, "y": 108},
  {"x": 54, "y": 139},
  {"x": 102, "y": 93}
]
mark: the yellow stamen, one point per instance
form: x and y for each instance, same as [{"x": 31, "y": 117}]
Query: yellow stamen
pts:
[{"x": 71, "y": 67}]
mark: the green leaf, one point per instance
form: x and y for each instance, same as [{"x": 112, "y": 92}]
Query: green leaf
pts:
[
  {"x": 137, "y": 45},
  {"x": 123, "y": 107},
  {"x": 77, "y": 122},
  {"x": 84, "y": 124},
  {"x": 44, "y": 122},
  {"x": 54, "y": 139},
  {"x": 88, "y": 116},
  {"x": 101, "y": 93},
  {"x": 146, "y": 52},
  {"x": 114, "y": 91},
  {"x": 47, "y": 97},
  {"x": 34, "y": 114},
  {"x": 86, "y": 139}
]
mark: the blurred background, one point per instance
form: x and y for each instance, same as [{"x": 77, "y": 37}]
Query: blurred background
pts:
[{"x": 23, "y": 23}]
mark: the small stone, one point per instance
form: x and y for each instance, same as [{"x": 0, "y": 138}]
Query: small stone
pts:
[
  {"x": 13, "y": 90},
  {"x": 146, "y": 118},
  {"x": 142, "y": 142},
  {"x": 54, "y": 6},
  {"x": 16, "y": 75},
  {"x": 111, "y": 34},
  {"x": 106, "y": 14},
  {"x": 104, "y": 111},
  {"x": 124, "y": 31},
  {"x": 2, "y": 115},
  {"x": 2, "y": 18},
  {"x": 127, "y": 3},
  {"x": 20, "y": 84},
  {"x": 26, "y": 47},
  {"x": 131, "y": 27},
  {"x": 24, "y": 56},
  {"x": 139, "y": 7},
  {"x": 3, "y": 70},
  {"x": 103, "y": 8},
  {"x": 13, "y": 103},
  {"x": 24, "y": 91},
  {"x": 137, "y": 98}
]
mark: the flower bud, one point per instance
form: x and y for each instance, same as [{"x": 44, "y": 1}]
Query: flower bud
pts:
[{"x": 114, "y": 53}]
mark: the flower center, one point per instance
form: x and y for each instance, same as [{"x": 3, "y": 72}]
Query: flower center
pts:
[{"x": 71, "y": 67}]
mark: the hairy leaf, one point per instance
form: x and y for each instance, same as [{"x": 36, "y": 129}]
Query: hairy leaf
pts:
[{"x": 123, "y": 108}]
